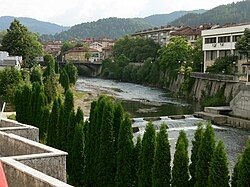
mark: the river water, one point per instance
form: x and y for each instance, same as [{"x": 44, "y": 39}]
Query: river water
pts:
[{"x": 141, "y": 101}]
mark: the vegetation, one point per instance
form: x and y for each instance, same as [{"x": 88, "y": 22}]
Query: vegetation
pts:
[
  {"x": 20, "y": 42},
  {"x": 242, "y": 45},
  {"x": 231, "y": 13}
]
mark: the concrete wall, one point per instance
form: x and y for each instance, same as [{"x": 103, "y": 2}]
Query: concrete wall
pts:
[
  {"x": 19, "y": 175},
  {"x": 241, "y": 103}
]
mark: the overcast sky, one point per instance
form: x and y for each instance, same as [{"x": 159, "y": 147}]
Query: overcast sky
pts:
[{"x": 71, "y": 12}]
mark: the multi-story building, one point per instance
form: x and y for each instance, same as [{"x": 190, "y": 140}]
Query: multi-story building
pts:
[
  {"x": 53, "y": 47},
  {"x": 220, "y": 42},
  {"x": 9, "y": 61},
  {"x": 82, "y": 54},
  {"x": 160, "y": 35}
]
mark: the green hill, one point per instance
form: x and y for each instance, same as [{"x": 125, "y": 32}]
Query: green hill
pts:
[{"x": 231, "y": 13}]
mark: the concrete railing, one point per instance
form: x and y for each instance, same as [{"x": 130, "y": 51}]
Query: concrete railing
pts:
[
  {"x": 215, "y": 77},
  {"x": 27, "y": 162}
]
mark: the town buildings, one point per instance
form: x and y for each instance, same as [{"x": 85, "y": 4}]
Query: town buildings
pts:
[
  {"x": 82, "y": 54},
  {"x": 220, "y": 42},
  {"x": 9, "y": 61},
  {"x": 53, "y": 47}
]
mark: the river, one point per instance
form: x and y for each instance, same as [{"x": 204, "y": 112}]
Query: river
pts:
[{"x": 141, "y": 101}]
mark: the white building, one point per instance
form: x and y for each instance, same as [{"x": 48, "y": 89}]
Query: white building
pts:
[
  {"x": 220, "y": 42},
  {"x": 9, "y": 61}
]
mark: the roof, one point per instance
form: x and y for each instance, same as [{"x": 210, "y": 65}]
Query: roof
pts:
[
  {"x": 82, "y": 49},
  {"x": 189, "y": 31}
]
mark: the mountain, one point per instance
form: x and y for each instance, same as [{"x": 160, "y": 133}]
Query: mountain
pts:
[
  {"x": 232, "y": 13},
  {"x": 165, "y": 19},
  {"x": 109, "y": 27},
  {"x": 33, "y": 25}
]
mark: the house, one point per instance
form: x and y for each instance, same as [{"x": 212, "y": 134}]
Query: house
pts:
[
  {"x": 96, "y": 45},
  {"x": 9, "y": 61},
  {"x": 160, "y": 35},
  {"x": 53, "y": 47},
  {"x": 106, "y": 52},
  {"x": 220, "y": 42},
  {"x": 83, "y": 54}
]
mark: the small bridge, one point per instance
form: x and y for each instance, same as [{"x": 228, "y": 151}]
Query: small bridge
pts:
[{"x": 92, "y": 68}]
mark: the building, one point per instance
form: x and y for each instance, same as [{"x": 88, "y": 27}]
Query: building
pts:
[
  {"x": 82, "y": 54},
  {"x": 53, "y": 47},
  {"x": 220, "y": 42},
  {"x": 160, "y": 35},
  {"x": 9, "y": 61}
]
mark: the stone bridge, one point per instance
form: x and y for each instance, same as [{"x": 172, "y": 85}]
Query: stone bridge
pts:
[{"x": 90, "y": 68}]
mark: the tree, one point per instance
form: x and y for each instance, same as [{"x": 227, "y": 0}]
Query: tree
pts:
[
  {"x": 72, "y": 72},
  {"x": 147, "y": 156},
  {"x": 19, "y": 41},
  {"x": 194, "y": 152},
  {"x": 136, "y": 157},
  {"x": 197, "y": 55},
  {"x": 118, "y": 118},
  {"x": 64, "y": 80},
  {"x": 206, "y": 150},
  {"x": 235, "y": 175},
  {"x": 218, "y": 171},
  {"x": 106, "y": 161},
  {"x": 50, "y": 65},
  {"x": 36, "y": 75},
  {"x": 10, "y": 79},
  {"x": 180, "y": 174},
  {"x": 50, "y": 87},
  {"x": 124, "y": 175},
  {"x": 244, "y": 167},
  {"x": 77, "y": 157},
  {"x": 44, "y": 123},
  {"x": 162, "y": 169},
  {"x": 243, "y": 44},
  {"x": 53, "y": 125}
]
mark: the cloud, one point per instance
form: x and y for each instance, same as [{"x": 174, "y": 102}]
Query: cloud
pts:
[{"x": 70, "y": 12}]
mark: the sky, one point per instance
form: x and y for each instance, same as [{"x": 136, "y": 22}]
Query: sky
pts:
[{"x": 71, "y": 12}]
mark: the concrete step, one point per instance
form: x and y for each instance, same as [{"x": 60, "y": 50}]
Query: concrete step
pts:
[
  {"x": 214, "y": 118},
  {"x": 218, "y": 110}
]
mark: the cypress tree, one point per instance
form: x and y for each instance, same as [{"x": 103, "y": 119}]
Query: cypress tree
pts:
[
  {"x": 77, "y": 160},
  {"x": 244, "y": 167},
  {"x": 147, "y": 156},
  {"x": 162, "y": 169},
  {"x": 218, "y": 171},
  {"x": 180, "y": 174},
  {"x": 52, "y": 135},
  {"x": 71, "y": 130},
  {"x": 206, "y": 150},
  {"x": 194, "y": 152},
  {"x": 118, "y": 117},
  {"x": 89, "y": 170},
  {"x": 235, "y": 175},
  {"x": 79, "y": 116},
  {"x": 124, "y": 175},
  {"x": 136, "y": 156},
  {"x": 64, "y": 80},
  {"x": 106, "y": 161},
  {"x": 44, "y": 122}
]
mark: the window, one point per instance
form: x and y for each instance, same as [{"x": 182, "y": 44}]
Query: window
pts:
[
  {"x": 224, "y": 39},
  {"x": 211, "y": 55},
  {"x": 236, "y": 38},
  {"x": 224, "y": 53},
  {"x": 210, "y": 40}
]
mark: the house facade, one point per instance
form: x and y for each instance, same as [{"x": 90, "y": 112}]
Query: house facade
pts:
[
  {"x": 82, "y": 54},
  {"x": 220, "y": 42},
  {"x": 9, "y": 61}
]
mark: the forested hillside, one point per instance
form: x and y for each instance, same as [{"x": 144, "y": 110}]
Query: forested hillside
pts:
[{"x": 231, "y": 13}]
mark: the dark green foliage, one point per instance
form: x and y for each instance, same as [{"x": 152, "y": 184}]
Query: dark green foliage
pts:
[
  {"x": 36, "y": 75},
  {"x": 70, "y": 130},
  {"x": 218, "y": 171},
  {"x": 22, "y": 103},
  {"x": 64, "y": 80},
  {"x": 10, "y": 79},
  {"x": 162, "y": 169},
  {"x": 231, "y": 13},
  {"x": 52, "y": 134},
  {"x": 217, "y": 99},
  {"x": 118, "y": 118},
  {"x": 194, "y": 153},
  {"x": 50, "y": 87},
  {"x": 44, "y": 122},
  {"x": 147, "y": 156},
  {"x": 124, "y": 175},
  {"x": 243, "y": 44},
  {"x": 244, "y": 167},
  {"x": 79, "y": 116},
  {"x": 223, "y": 65},
  {"x": 136, "y": 156},
  {"x": 235, "y": 175},
  {"x": 71, "y": 70},
  {"x": 204, "y": 157},
  {"x": 106, "y": 160},
  {"x": 20, "y": 42},
  {"x": 50, "y": 65},
  {"x": 102, "y": 27},
  {"x": 77, "y": 157},
  {"x": 180, "y": 174}
]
